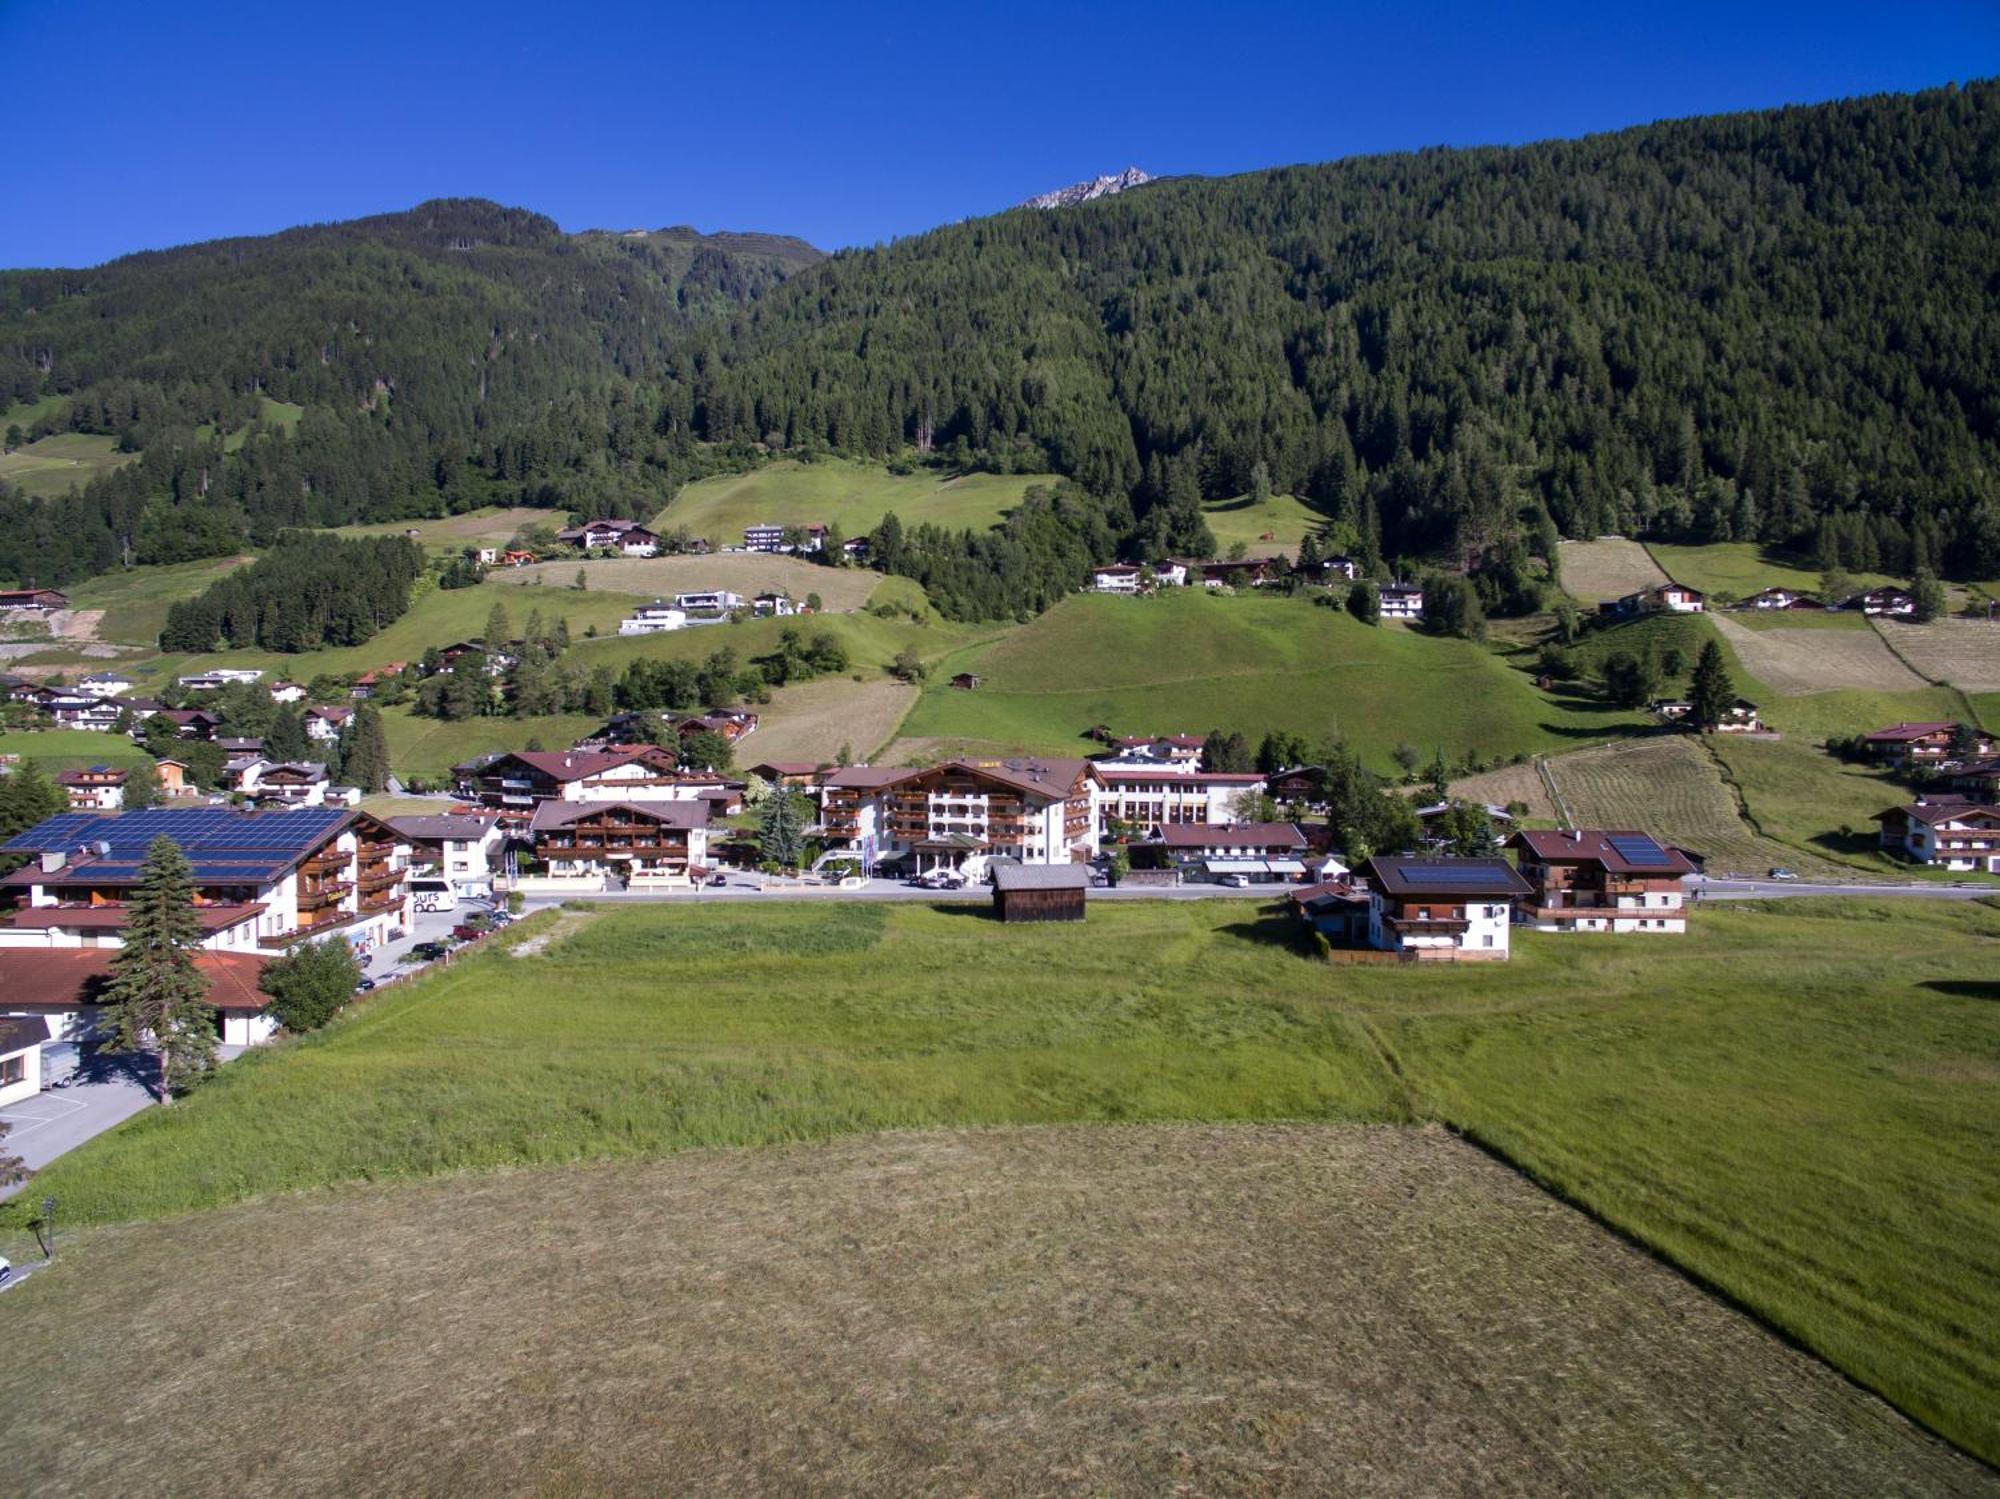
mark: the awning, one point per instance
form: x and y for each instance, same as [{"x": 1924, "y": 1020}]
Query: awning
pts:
[{"x": 1284, "y": 866}]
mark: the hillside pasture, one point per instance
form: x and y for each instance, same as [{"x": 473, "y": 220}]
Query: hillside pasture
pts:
[
  {"x": 1668, "y": 786},
  {"x": 71, "y": 749},
  {"x": 1505, "y": 787},
  {"x": 490, "y": 527},
  {"x": 838, "y": 491},
  {"x": 812, "y": 720},
  {"x": 1797, "y": 662},
  {"x": 1129, "y": 1310},
  {"x": 747, "y": 573},
  {"x": 1963, "y": 652},
  {"x": 131, "y": 604},
  {"x": 1595, "y": 571},
  {"x": 61, "y": 462},
  {"x": 1793, "y": 1103},
  {"x": 1737, "y": 569},
  {"x": 1188, "y": 661},
  {"x": 1284, "y": 518}
]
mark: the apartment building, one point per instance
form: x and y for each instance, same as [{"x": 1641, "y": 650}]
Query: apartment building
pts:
[{"x": 1584, "y": 880}]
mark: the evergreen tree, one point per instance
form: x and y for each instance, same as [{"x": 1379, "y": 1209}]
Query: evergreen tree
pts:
[
  {"x": 1364, "y": 603},
  {"x": 497, "y": 634},
  {"x": 781, "y": 828},
  {"x": 286, "y": 738},
  {"x": 1710, "y": 691},
  {"x": 157, "y": 998},
  {"x": 28, "y": 797},
  {"x": 365, "y": 750},
  {"x": 707, "y": 750},
  {"x": 1226, "y": 753},
  {"x": 1437, "y": 780}
]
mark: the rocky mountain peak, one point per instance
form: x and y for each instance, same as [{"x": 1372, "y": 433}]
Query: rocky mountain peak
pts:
[{"x": 1084, "y": 192}]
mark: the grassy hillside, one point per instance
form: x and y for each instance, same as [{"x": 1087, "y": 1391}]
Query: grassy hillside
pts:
[
  {"x": 1184, "y": 661},
  {"x": 832, "y": 491},
  {"x": 1284, "y": 518},
  {"x": 747, "y": 573},
  {"x": 61, "y": 461},
  {"x": 1741, "y": 568},
  {"x": 71, "y": 749},
  {"x": 1788, "y": 1103}
]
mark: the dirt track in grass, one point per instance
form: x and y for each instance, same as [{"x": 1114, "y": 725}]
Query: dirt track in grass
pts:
[{"x": 1131, "y": 1310}]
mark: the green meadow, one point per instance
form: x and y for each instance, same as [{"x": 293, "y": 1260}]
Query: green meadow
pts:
[
  {"x": 61, "y": 462},
  {"x": 839, "y": 491},
  {"x": 1794, "y": 1104}
]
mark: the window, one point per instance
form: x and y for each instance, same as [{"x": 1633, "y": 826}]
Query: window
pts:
[
  {"x": 13, "y": 1070},
  {"x": 1487, "y": 940}
]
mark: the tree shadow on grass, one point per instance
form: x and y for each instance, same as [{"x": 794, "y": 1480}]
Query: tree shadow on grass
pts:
[
  {"x": 1964, "y": 988},
  {"x": 979, "y": 910},
  {"x": 1276, "y": 926}
]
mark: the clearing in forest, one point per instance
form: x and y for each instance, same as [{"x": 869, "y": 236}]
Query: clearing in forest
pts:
[
  {"x": 1118, "y": 1310},
  {"x": 1594, "y": 571},
  {"x": 838, "y": 491},
  {"x": 1793, "y": 663}
]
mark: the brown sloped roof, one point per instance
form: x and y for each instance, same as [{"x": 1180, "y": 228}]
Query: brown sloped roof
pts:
[{"x": 69, "y": 977}]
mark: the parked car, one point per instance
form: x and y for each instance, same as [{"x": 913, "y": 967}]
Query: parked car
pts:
[
  {"x": 466, "y": 931},
  {"x": 363, "y": 984},
  {"x": 717, "y": 880},
  {"x": 428, "y": 952},
  {"x": 1235, "y": 881},
  {"x": 1784, "y": 874}
]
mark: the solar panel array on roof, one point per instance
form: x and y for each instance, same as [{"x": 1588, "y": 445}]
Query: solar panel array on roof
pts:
[
  {"x": 1637, "y": 848},
  {"x": 223, "y": 845},
  {"x": 1456, "y": 876}
]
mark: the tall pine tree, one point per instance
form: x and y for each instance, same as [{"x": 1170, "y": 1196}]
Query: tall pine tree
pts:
[
  {"x": 1710, "y": 691},
  {"x": 364, "y": 757},
  {"x": 158, "y": 1000}
]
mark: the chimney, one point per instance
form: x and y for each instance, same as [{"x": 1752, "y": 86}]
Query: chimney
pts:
[{"x": 54, "y": 860}]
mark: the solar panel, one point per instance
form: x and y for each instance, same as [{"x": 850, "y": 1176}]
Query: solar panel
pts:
[{"x": 1637, "y": 848}]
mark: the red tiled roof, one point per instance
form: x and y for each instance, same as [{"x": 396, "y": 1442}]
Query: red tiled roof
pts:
[
  {"x": 1232, "y": 835},
  {"x": 1907, "y": 731},
  {"x": 65, "y": 978},
  {"x": 112, "y": 917}
]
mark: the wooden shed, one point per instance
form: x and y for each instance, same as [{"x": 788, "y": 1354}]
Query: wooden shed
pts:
[
  {"x": 1040, "y": 892},
  {"x": 965, "y": 681}
]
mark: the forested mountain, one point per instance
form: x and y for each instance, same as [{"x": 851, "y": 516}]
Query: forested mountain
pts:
[
  {"x": 1762, "y": 326},
  {"x": 452, "y": 354},
  {"x": 1717, "y": 328}
]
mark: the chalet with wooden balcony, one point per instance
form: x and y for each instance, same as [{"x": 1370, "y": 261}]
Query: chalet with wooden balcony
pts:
[
  {"x": 635, "y": 844},
  {"x": 263, "y": 880},
  {"x": 948, "y": 816},
  {"x": 1923, "y": 744},
  {"x": 518, "y": 781},
  {"x": 1951, "y": 832},
  {"x": 1430, "y": 910},
  {"x": 1584, "y": 880},
  {"x": 101, "y": 788}
]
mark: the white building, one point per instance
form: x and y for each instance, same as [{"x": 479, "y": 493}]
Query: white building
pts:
[
  {"x": 960, "y": 814},
  {"x": 1117, "y": 577},
  {"x": 221, "y": 676},
  {"x": 107, "y": 683},
  {"x": 773, "y": 606},
  {"x": 459, "y": 849},
  {"x": 1585, "y": 880},
  {"x": 1401, "y": 601},
  {"x": 1161, "y": 795},
  {"x": 98, "y": 789},
  {"x": 770, "y": 538},
  {"x": 1449, "y": 909},
  {"x": 1951, "y": 832},
  {"x": 287, "y": 692},
  {"x": 21, "y": 1038},
  {"x": 715, "y": 601},
  {"x": 655, "y": 618}
]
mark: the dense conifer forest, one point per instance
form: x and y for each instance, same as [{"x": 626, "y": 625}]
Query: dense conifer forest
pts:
[
  {"x": 310, "y": 590},
  {"x": 1780, "y": 326}
]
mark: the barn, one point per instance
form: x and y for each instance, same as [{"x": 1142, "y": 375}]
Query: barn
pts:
[{"x": 1040, "y": 892}]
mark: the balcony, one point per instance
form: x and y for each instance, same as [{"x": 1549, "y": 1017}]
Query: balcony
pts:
[
  {"x": 324, "y": 895},
  {"x": 380, "y": 879},
  {"x": 388, "y": 900},
  {"x": 326, "y": 861}
]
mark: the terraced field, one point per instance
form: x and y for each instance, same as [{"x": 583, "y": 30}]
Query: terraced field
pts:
[
  {"x": 1668, "y": 786},
  {"x": 1593, "y": 571},
  {"x": 1796, "y": 662}
]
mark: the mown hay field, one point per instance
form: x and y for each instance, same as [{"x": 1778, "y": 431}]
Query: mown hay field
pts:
[
  {"x": 1794, "y": 1103},
  {"x": 1667, "y": 786},
  {"x": 747, "y": 573},
  {"x": 1593, "y": 571},
  {"x": 1506, "y": 786},
  {"x": 1794, "y": 663},
  {"x": 839, "y": 491},
  {"x": 1121, "y": 1310},
  {"x": 1963, "y": 652}
]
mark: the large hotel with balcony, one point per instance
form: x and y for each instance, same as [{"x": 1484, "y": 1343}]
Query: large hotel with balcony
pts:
[
  {"x": 1036, "y": 811},
  {"x": 263, "y": 880}
]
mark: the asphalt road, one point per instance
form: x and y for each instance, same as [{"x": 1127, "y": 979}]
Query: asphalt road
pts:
[{"x": 1731, "y": 889}]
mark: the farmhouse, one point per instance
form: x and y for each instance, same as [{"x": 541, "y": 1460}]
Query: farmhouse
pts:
[
  {"x": 1040, "y": 892},
  {"x": 292, "y": 783},
  {"x": 1780, "y": 598},
  {"x": 626, "y": 537},
  {"x": 73, "y": 708},
  {"x": 1924, "y": 744},
  {"x": 1302, "y": 784},
  {"x": 1978, "y": 779},
  {"x": 1401, "y": 601},
  {"x": 1892, "y": 602},
  {"x": 640, "y": 844},
  {"x": 655, "y": 618},
  {"x": 1948, "y": 831},
  {"x": 63, "y": 990},
  {"x": 98, "y": 789},
  {"x": 1329, "y": 570},
  {"x": 37, "y": 600},
  {"x": 1662, "y": 598},
  {"x": 1158, "y": 796},
  {"x": 262, "y": 879},
  {"x": 1428, "y": 910},
  {"x": 1583, "y": 880},
  {"x": 192, "y": 723},
  {"x": 1249, "y": 572},
  {"x": 798, "y": 774}
]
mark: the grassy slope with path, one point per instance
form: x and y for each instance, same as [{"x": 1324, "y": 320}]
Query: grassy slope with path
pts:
[
  {"x": 853, "y": 495},
  {"x": 1185, "y": 660},
  {"x": 1794, "y": 1103}
]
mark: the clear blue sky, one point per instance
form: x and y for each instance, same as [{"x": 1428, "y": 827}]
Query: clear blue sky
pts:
[{"x": 144, "y": 123}]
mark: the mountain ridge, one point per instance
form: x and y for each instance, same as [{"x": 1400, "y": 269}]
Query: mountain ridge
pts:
[{"x": 1090, "y": 191}]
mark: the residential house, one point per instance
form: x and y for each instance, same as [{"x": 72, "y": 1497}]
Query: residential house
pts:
[
  {"x": 292, "y": 783},
  {"x": 107, "y": 683},
  {"x": 1401, "y": 601},
  {"x": 712, "y": 602},
  {"x": 1978, "y": 780},
  {"x": 35, "y": 600},
  {"x": 772, "y": 606},
  {"x": 1740, "y": 717},
  {"x": 1892, "y": 602},
  {"x": 1780, "y": 598},
  {"x": 1262, "y": 852},
  {"x": 640, "y": 844},
  {"x": 518, "y": 559},
  {"x": 733, "y": 724},
  {"x": 960, "y": 814},
  {"x": 1302, "y": 784},
  {"x": 192, "y": 723},
  {"x": 173, "y": 778},
  {"x": 626, "y": 537},
  {"x": 1146, "y": 751},
  {"x": 283, "y": 693},
  {"x": 1432, "y": 820},
  {"x": 1950, "y": 832},
  {"x": 458, "y": 848},
  {"x": 1431, "y": 909},
  {"x": 1156, "y": 796},
  {"x": 262, "y": 879},
  {"x": 485, "y": 556},
  {"x": 1250, "y": 572},
  {"x": 98, "y": 789},
  {"x": 73, "y": 708},
  {"x": 518, "y": 781},
  {"x": 770, "y": 538},
  {"x": 656, "y": 618},
  {"x": 222, "y": 676},
  {"x": 60, "y": 991},
  {"x": 236, "y": 746},
  {"x": 855, "y": 549},
  {"x": 1584, "y": 880},
  {"x": 325, "y": 724},
  {"x": 1921, "y": 744},
  {"x": 797, "y": 774},
  {"x": 1337, "y": 909},
  {"x": 1662, "y": 598},
  {"x": 365, "y": 684},
  {"x": 1116, "y": 577}
]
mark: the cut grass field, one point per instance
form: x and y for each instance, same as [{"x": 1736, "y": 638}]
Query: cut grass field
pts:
[
  {"x": 1795, "y": 662},
  {"x": 491, "y": 526},
  {"x": 1131, "y": 1310},
  {"x": 747, "y": 573},
  {"x": 1284, "y": 518},
  {"x": 836, "y": 491},
  {"x": 1963, "y": 652},
  {"x": 1793, "y": 1103},
  {"x": 71, "y": 749},
  {"x": 1668, "y": 786},
  {"x": 61, "y": 462},
  {"x": 1594, "y": 571},
  {"x": 1737, "y": 569},
  {"x": 1187, "y": 661}
]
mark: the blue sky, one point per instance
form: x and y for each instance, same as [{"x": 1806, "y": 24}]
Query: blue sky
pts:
[{"x": 136, "y": 125}]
